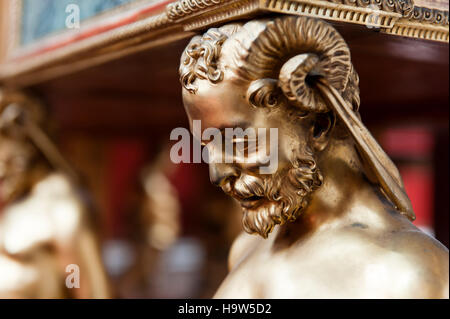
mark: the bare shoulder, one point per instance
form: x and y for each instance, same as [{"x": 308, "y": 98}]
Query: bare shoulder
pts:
[
  {"x": 64, "y": 204},
  {"x": 408, "y": 261},
  {"x": 426, "y": 259},
  {"x": 51, "y": 211}
]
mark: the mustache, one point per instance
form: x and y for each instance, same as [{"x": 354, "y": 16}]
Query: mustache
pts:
[
  {"x": 302, "y": 178},
  {"x": 286, "y": 193},
  {"x": 248, "y": 186}
]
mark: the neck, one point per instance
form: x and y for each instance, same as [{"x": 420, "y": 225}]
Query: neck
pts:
[{"x": 346, "y": 195}]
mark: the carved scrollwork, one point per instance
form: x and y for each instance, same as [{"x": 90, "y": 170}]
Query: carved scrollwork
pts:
[
  {"x": 393, "y": 16},
  {"x": 404, "y": 7},
  {"x": 428, "y": 15},
  {"x": 179, "y": 9},
  {"x": 360, "y": 3}
]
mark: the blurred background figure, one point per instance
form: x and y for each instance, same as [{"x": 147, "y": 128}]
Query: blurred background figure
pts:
[
  {"x": 173, "y": 238},
  {"x": 47, "y": 247},
  {"x": 160, "y": 211},
  {"x": 154, "y": 226}
]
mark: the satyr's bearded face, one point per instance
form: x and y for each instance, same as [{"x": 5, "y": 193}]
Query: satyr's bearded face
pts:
[
  {"x": 262, "y": 75},
  {"x": 266, "y": 199}
]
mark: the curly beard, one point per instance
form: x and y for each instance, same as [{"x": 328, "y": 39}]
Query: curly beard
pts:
[{"x": 279, "y": 198}]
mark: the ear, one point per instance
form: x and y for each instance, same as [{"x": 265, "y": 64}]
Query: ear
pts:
[{"x": 320, "y": 132}]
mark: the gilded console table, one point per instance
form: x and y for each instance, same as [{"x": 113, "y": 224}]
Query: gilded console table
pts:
[{"x": 142, "y": 24}]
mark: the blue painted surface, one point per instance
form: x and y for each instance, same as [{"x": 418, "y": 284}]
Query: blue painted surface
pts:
[{"x": 43, "y": 17}]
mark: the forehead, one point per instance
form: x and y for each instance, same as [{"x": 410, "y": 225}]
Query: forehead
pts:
[{"x": 218, "y": 105}]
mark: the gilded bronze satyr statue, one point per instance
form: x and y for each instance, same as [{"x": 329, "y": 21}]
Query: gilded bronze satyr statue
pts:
[
  {"x": 344, "y": 219},
  {"x": 46, "y": 238}
]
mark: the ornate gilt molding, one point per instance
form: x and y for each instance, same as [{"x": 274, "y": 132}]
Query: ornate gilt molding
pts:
[
  {"x": 47, "y": 60},
  {"x": 423, "y": 23},
  {"x": 182, "y": 8},
  {"x": 396, "y": 17},
  {"x": 365, "y": 12},
  {"x": 428, "y": 15},
  {"x": 418, "y": 30},
  {"x": 227, "y": 12}
]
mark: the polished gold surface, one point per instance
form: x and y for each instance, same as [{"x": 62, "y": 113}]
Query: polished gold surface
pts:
[
  {"x": 343, "y": 216},
  {"x": 44, "y": 223}
]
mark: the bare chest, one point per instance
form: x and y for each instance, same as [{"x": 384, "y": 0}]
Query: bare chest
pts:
[{"x": 343, "y": 269}]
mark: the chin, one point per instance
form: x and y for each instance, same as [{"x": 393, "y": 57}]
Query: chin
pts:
[
  {"x": 264, "y": 215},
  {"x": 261, "y": 219}
]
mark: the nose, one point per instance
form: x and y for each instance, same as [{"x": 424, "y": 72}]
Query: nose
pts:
[{"x": 219, "y": 173}]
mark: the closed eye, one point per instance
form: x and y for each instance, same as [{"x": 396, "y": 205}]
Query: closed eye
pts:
[{"x": 245, "y": 145}]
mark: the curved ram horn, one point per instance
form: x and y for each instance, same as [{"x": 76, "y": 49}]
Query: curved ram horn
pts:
[{"x": 294, "y": 83}]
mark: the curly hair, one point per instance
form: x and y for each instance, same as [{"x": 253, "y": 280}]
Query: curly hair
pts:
[{"x": 261, "y": 49}]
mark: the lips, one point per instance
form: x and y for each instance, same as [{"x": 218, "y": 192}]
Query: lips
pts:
[
  {"x": 250, "y": 202},
  {"x": 245, "y": 197}
]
